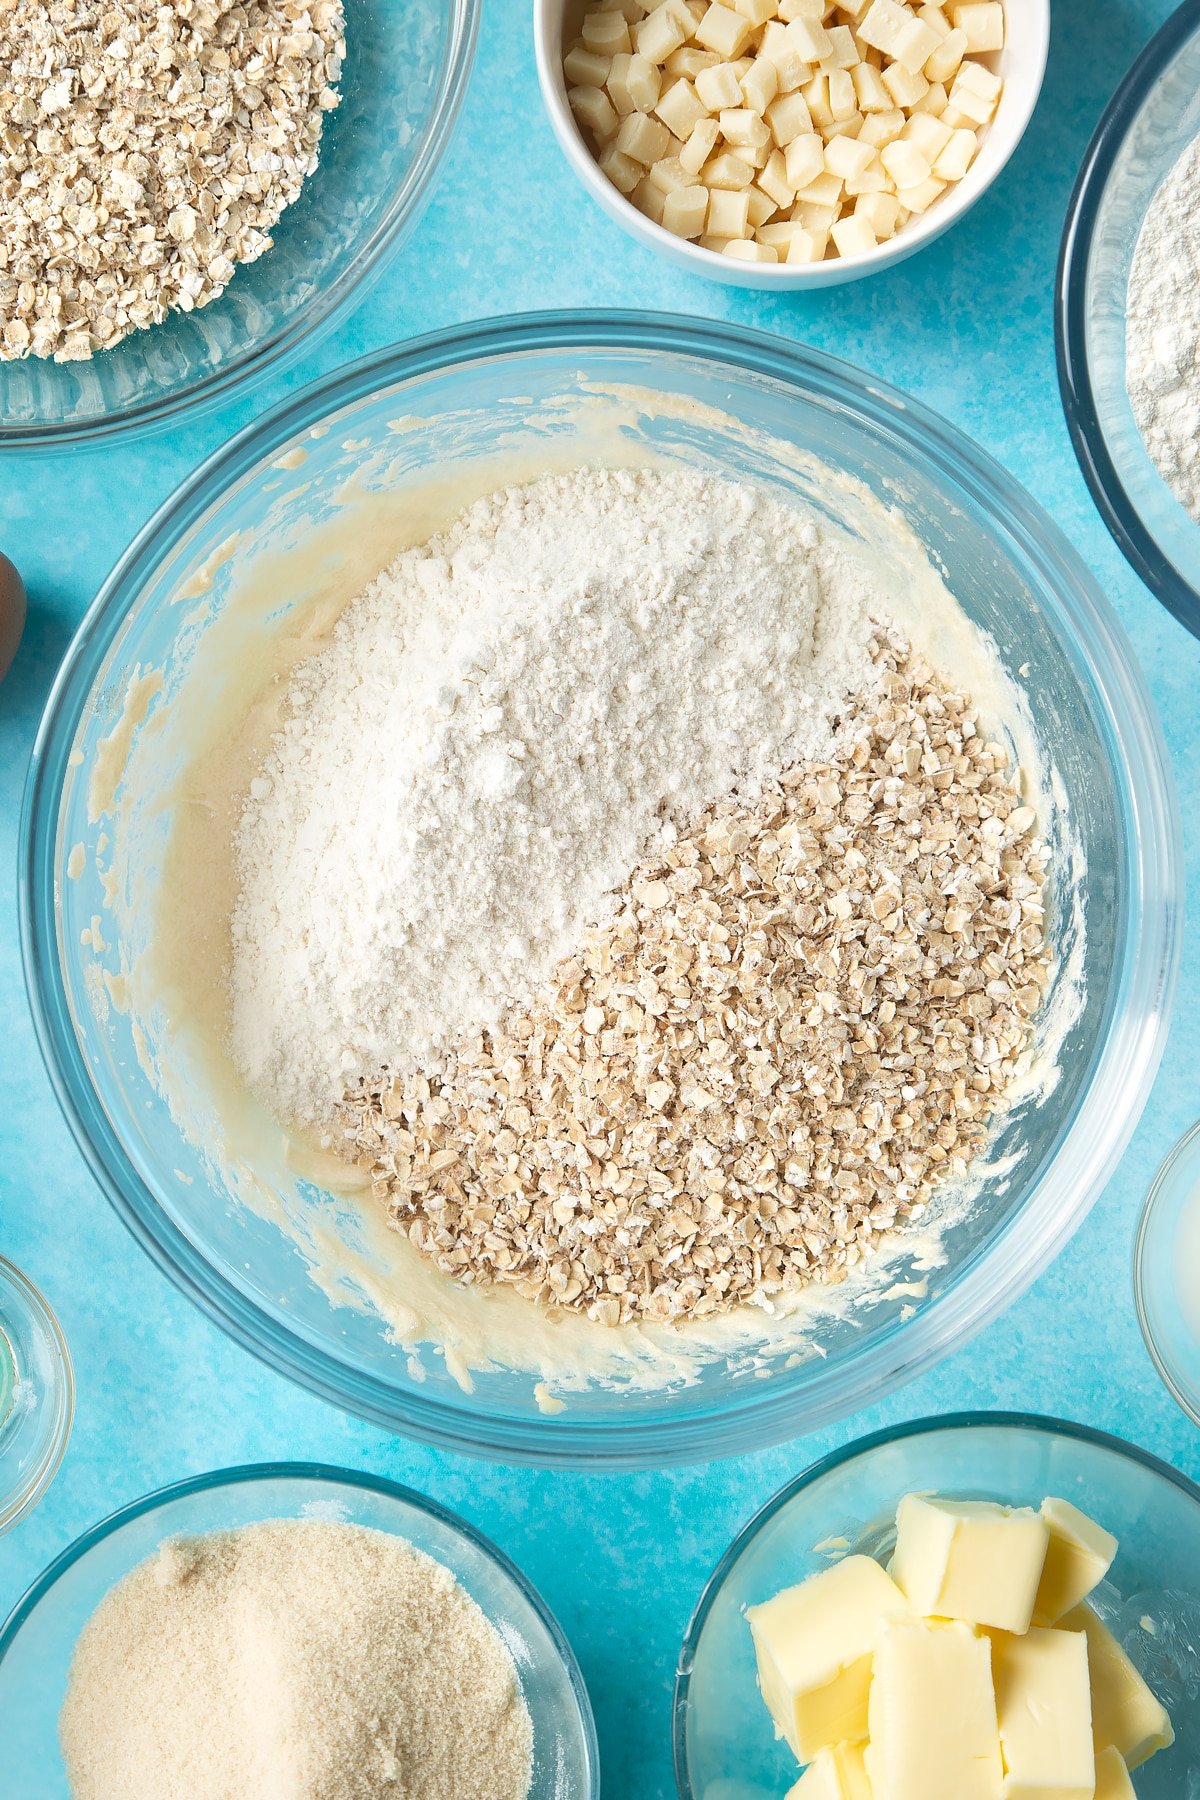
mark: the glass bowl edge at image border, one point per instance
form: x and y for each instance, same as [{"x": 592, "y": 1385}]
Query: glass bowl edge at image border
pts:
[
  {"x": 249, "y": 1474},
  {"x": 1121, "y": 518},
  {"x": 279, "y": 351},
  {"x": 1039, "y": 1423},
  {"x": 1125, "y": 1065},
  {"x": 31, "y": 1491}
]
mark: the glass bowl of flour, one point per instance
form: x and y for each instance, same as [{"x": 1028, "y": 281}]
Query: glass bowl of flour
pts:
[
  {"x": 1126, "y": 322},
  {"x": 491, "y": 1617},
  {"x": 161, "y": 950}
]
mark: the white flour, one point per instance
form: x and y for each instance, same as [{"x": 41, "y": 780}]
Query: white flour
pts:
[
  {"x": 498, "y": 729},
  {"x": 1163, "y": 330}
]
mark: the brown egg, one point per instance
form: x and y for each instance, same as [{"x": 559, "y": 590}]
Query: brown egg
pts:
[{"x": 12, "y": 613}]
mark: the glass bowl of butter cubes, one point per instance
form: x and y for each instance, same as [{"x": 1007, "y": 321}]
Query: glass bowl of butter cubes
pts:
[
  {"x": 979, "y": 1607},
  {"x": 789, "y": 143}
]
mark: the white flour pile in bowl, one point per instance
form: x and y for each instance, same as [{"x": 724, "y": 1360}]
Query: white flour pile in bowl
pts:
[
  {"x": 300, "y": 1659},
  {"x": 1162, "y": 354},
  {"x": 633, "y": 903}
]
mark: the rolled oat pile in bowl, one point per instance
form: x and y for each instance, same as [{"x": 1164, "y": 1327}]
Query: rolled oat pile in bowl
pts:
[{"x": 613, "y": 968}]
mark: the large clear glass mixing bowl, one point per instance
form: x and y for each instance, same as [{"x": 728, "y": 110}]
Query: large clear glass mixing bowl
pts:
[
  {"x": 402, "y": 85},
  {"x": 412, "y": 416}
]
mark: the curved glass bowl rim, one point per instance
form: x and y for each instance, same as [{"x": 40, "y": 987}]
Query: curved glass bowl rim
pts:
[
  {"x": 1185, "y": 1147},
  {"x": 26, "y": 1495},
  {"x": 251, "y": 1474},
  {"x": 1150, "y": 949},
  {"x": 321, "y": 313},
  {"x": 1037, "y": 1423},
  {"x": 1121, "y": 517}
]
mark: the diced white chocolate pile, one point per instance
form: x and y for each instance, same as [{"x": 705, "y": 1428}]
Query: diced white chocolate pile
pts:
[
  {"x": 785, "y": 130},
  {"x": 971, "y": 1670}
]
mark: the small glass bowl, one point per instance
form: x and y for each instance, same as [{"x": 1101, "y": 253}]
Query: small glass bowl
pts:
[
  {"x": 725, "y": 1748},
  {"x": 37, "y": 1642},
  {"x": 404, "y": 78},
  {"x": 37, "y": 1395},
  {"x": 1152, "y": 117},
  {"x": 1166, "y": 1273}
]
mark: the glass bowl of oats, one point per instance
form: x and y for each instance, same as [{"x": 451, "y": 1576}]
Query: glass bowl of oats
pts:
[
  {"x": 216, "y": 207},
  {"x": 1065, "y": 835}
]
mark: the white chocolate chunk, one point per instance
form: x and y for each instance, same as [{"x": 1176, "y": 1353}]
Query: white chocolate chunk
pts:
[
  {"x": 836, "y": 1774},
  {"x": 826, "y": 190},
  {"x": 780, "y": 46},
  {"x": 688, "y": 61},
  {"x": 983, "y": 22},
  {"x": 814, "y": 1646},
  {"x": 1079, "y": 1555},
  {"x": 943, "y": 63},
  {"x": 760, "y": 206},
  {"x": 906, "y": 89},
  {"x": 634, "y": 85},
  {"x": 649, "y": 200},
  {"x": 932, "y": 1714},
  {"x": 681, "y": 109},
  {"x": 853, "y": 235},
  {"x": 1126, "y": 1716},
  {"x": 665, "y": 29},
  {"x": 1044, "y": 1710},
  {"x": 594, "y": 110},
  {"x": 746, "y": 250},
  {"x": 685, "y": 211},
  {"x": 869, "y": 90},
  {"x": 915, "y": 45},
  {"x": 606, "y": 33},
  {"x": 700, "y": 146},
  {"x": 847, "y": 157},
  {"x": 621, "y": 170},
  {"x": 757, "y": 11},
  {"x": 646, "y": 140},
  {"x": 728, "y": 214},
  {"x": 773, "y": 180},
  {"x": 953, "y": 162},
  {"x": 741, "y": 126},
  {"x": 928, "y": 135},
  {"x": 878, "y": 129},
  {"x": 583, "y": 68},
  {"x": 723, "y": 30},
  {"x": 810, "y": 38},
  {"x": 814, "y": 217},
  {"x": 789, "y": 118},
  {"x": 670, "y": 176},
  {"x": 935, "y": 18},
  {"x": 804, "y": 160},
  {"x": 968, "y": 1559},
  {"x": 1112, "y": 1777},
  {"x": 883, "y": 213},
  {"x": 842, "y": 52},
  {"x": 919, "y": 199},
  {"x": 760, "y": 84},
  {"x": 719, "y": 87},
  {"x": 843, "y": 101},
  {"x": 908, "y": 168},
  {"x": 933, "y": 101},
  {"x": 884, "y": 25}
]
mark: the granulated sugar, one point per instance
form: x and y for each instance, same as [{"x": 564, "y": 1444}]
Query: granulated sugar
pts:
[
  {"x": 1163, "y": 330},
  {"x": 294, "y": 1660},
  {"x": 501, "y": 726}
]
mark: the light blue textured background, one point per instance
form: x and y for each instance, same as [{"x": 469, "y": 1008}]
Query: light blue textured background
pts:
[{"x": 966, "y": 325}]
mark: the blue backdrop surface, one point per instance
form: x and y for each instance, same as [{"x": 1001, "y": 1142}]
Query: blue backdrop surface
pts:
[{"x": 966, "y": 325}]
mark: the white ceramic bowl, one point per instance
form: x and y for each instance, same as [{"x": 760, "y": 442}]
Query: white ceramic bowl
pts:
[{"x": 1022, "y": 63}]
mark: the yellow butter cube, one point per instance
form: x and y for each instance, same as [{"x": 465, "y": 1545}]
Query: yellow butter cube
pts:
[
  {"x": 1112, "y": 1777},
  {"x": 838, "y": 1773},
  {"x": 1080, "y": 1554},
  {"x": 932, "y": 1714},
  {"x": 970, "y": 1559},
  {"x": 814, "y": 1645},
  {"x": 1125, "y": 1714},
  {"x": 1044, "y": 1709}
]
